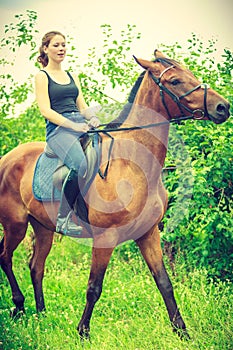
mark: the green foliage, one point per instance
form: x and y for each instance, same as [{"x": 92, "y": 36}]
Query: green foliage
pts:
[
  {"x": 198, "y": 223},
  {"x": 28, "y": 127},
  {"x": 130, "y": 313},
  {"x": 205, "y": 233},
  {"x": 204, "y": 167},
  {"x": 110, "y": 66},
  {"x": 22, "y": 32},
  {"x": 17, "y": 35}
]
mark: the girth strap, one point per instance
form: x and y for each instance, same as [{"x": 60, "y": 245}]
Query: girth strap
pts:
[{"x": 105, "y": 173}]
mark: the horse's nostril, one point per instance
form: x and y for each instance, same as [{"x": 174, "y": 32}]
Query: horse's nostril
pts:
[{"x": 222, "y": 109}]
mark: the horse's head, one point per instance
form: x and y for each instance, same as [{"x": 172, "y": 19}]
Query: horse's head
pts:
[{"x": 181, "y": 94}]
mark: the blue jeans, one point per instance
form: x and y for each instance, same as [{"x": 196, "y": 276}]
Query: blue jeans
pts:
[{"x": 65, "y": 143}]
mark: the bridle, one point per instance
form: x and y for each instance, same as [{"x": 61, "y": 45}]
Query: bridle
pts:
[
  {"x": 163, "y": 89},
  {"x": 175, "y": 98}
]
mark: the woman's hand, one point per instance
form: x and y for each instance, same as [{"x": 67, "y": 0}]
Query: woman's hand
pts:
[
  {"x": 80, "y": 127},
  {"x": 94, "y": 122}
]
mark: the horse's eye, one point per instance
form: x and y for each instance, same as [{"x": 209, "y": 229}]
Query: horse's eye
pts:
[{"x": 175, "y": 82}]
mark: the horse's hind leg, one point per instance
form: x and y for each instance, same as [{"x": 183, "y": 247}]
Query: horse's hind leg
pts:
[
  {"x": 13, "y": 235},
  {"x": 150, "y": 248},
  {"x": 42, "y": 245}
]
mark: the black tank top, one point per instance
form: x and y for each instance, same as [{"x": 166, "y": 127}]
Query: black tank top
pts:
[
  {"x": 62, "y": 99},
  {"x": 63, "y": 96}
]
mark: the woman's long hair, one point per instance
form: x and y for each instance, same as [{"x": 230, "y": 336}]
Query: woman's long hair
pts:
[{"x": 43, "y": 58}]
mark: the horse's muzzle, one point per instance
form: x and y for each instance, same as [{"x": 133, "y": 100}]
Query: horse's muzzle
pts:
[{"x": 221, "y": 114}]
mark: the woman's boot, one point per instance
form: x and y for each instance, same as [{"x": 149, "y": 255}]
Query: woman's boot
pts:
[{"x": 69, "y": 193}]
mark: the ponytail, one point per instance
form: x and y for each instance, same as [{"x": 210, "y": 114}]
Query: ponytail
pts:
[{"x": 42, "y": 58}]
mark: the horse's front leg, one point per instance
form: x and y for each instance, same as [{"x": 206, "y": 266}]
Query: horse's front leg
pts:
[
  {"x": 100, "y": 260},
  {"x": 151, "y": 250}
]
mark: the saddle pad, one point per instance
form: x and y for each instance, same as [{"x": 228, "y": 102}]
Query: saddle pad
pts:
[{"x": 42, "y": 185}]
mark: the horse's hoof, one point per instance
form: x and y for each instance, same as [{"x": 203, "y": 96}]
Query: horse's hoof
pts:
[
  {"x": 182, "y": 333},
  {"x": 17, "y": 313},
  {"x": 84, "y": 334}
]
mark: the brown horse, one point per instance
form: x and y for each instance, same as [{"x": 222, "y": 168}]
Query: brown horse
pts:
[{"x": 128, "y": 204}]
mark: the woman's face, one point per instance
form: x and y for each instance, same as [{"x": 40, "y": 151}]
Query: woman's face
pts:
[{"x": 56, "y": 49}]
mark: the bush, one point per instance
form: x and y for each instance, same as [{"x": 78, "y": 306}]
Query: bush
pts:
[
  {"x": 28, "y": 127},
  {"x": 205, "y": 236},
  {"x": 200, "y": 188}
]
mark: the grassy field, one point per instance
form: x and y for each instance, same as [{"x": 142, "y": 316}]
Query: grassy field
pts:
[{"x": 130, "y": 314}]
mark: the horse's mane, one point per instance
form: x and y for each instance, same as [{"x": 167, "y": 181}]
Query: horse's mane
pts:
[{"x": 116, "y": 123}]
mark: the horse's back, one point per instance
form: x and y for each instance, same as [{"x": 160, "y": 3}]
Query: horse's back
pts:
[
  {"x": 16, "y": 172},
  {"x": 23, "y": 150},
  {"x": 19, "y": 162}
]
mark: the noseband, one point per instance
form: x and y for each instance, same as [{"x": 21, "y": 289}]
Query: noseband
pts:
[{"x": 176, "y": 99}]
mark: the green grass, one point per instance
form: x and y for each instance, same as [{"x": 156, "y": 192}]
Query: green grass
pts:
[{"x": 130, "y": 314}]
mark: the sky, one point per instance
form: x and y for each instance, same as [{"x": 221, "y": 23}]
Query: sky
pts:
[
  {"x": 166, "y": 22},
  {"x": 158, "y": 21}
]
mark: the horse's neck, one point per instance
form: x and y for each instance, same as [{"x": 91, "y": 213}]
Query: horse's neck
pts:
[
  {"x": 147, "y": 110},
  {"x": 154, "y": 138}
]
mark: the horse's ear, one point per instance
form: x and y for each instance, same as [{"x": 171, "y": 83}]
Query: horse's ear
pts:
[
  {"x": 143, "y": 63},
  {"x": 158, "y": 54}
]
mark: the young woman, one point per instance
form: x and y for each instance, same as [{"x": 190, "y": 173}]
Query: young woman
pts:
[{"x": 61, "y": 102}]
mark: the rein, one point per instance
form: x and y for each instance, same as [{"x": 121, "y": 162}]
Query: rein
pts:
[
  {"x": 107, "y": 130},
  {"x": 104, "y": 174}
]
